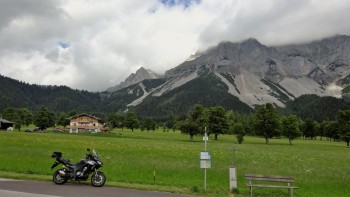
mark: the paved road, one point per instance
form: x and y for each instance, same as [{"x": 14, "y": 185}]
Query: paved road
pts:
[{"x": 19, "y": 188}]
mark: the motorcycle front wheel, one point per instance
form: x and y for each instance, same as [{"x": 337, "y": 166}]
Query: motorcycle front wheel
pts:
[
  {"x": 58, "y": 179},
  {"x": 98, "y": 179}
]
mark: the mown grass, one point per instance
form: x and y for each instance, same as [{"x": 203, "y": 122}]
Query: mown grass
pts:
[{"x": 320, "y": 168}]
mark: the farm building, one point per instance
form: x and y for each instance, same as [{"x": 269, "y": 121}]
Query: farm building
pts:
[
  {"x": 85, "y": 123},
  {"x": 4, "y": 124}
]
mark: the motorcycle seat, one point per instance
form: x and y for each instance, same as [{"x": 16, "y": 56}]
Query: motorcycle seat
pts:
[{"x": 67, "y": 163}]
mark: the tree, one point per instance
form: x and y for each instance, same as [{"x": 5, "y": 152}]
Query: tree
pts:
[
  {"x": 322, "y": 129},
  {"x": 217, "y": 121},
  {"x": 230, "y": 119},
  {"x": 308, "y": 127},
  {"x": 195, "y": 122},
  {"x": 27, "y": 116},
  {"x": 9, "y": 114},
  {"x": 332, "y": 130},
  {"x": 267, "y": 122},
  {"x": 63, "y": 120},
  {"x": 131, "y": 121},
  {"x": 291, "y": 126},
  {"x": 199, "y": 115},
  {"x": 149, "y": 124},
  {"x": 112, "y": 119},
  {"x": 116, "y": 120},
  {"x": 19, "y": 117},
  {"x": 343, "y": 118},
  {"x": 238, "y": 129},
  {"x": 189, "y": 127},
  {"x": 44, "y": 118}
]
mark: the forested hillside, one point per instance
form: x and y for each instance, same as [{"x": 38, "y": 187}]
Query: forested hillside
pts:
[
  {"x": 17, "y": 94},
  {"x": 316, "y": 107},
  {"x": 205, "y": 90}
]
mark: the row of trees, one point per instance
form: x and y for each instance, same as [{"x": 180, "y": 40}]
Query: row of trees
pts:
[
  {"x": 42, "y": 119},
  {"x": 265, "y": 122}
]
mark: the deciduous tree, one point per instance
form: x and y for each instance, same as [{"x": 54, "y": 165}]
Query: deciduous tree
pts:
[
  {"x": 343, "y": 119},
  {"x": 308, "y": 128},
  {"x": 290, "y": 125},
  {"x": 189, "y": 127},
  {"x": 238, "y": 129},
  {"x": 63, "y": 120},
  {"x": 131, "y": 121},
  {"x": 217, "y": 121},
  {"x": 267, "y": 122},
  {"x": 44, "y": 118}
]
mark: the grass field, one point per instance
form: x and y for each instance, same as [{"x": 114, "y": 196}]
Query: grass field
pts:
[{"x": 320, "y": 168}]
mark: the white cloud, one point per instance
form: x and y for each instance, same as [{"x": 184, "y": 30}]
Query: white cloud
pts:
[{"x": 110, "y": 39}]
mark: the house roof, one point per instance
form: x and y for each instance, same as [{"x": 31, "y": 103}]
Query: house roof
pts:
[
  {"x": 91, "y": 116},
  {"x": 5, "y": 121}
]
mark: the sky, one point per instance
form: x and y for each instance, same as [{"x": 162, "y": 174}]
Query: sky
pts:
[{"x": 96, "y": 44}]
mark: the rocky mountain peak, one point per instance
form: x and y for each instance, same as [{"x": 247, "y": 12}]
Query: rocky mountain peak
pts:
[
  {"x": 258, "y": 74},
  {"x": 140, "y": 75}
]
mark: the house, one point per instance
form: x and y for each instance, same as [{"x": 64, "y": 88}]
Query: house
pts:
[
  {"x": 85, "y": 123},
  {"x": 5, "y": 124}
]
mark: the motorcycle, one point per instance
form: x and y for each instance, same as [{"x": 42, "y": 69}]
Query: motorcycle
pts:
[{"x": 79, "y": 171}]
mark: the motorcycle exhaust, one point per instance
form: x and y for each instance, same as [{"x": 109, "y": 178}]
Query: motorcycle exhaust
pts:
[{"x": 62, "y": 173}]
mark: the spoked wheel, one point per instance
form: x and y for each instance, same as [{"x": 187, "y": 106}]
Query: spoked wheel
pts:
[
  {"x": 58, "y": 179},
  {"x": 98, "y": 179}
]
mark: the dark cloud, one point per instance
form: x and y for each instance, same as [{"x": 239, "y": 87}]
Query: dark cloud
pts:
[
  {"x": 276, "y": 22},
  {"x": 95, "y": 44}
]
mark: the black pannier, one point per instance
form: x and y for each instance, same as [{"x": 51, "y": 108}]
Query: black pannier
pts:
[{"x": 56, "y": 154}]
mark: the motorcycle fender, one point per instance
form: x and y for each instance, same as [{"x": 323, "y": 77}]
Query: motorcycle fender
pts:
[{"x": 54, "y": 165}]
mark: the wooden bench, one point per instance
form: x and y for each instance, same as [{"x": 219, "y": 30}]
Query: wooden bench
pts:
[{"x": 258, "y": 178}]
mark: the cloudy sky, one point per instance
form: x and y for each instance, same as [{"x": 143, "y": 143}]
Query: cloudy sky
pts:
[{"x": 96, "y": 44}]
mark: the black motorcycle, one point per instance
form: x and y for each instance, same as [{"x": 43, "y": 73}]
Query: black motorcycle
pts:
[{"x": 79, "y": 171}]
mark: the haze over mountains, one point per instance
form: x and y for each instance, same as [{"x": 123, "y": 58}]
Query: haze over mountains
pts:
[{"x": 235, "y": 75}]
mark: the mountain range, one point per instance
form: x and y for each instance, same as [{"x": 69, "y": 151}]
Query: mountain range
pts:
[
  {"x": 258, "y": 74},
  {"x": 238, "y": 76}
]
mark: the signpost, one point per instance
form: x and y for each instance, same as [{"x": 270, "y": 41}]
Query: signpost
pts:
[{"x": 205, "y": 157}]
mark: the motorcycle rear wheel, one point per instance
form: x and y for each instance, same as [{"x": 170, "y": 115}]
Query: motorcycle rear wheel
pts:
[
  {"x": 98, "y": 179},
  {"x": 58, "y": 179}
]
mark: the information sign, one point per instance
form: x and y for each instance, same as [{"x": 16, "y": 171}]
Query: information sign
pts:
[
  {"x": 205, "y": 164},
  {"x": 205, "y": 155}
]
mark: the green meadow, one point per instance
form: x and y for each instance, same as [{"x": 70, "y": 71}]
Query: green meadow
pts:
[{"x": 320, "y": 168}]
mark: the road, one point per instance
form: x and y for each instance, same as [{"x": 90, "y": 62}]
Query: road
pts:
[{"x": 20, "y": 188}]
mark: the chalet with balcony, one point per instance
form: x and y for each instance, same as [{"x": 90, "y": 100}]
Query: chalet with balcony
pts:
[{"x": 85, "y": 123}]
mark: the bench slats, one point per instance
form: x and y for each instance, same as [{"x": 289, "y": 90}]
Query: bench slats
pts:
[
  {"x": 258, "y": 177},
  {"x": 272, "y": 186}
]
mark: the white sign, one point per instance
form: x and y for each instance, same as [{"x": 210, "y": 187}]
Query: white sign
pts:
[
  {"x": 205, "y": 138},
  {"x": 233, "y": 178},
  {"x": 205, "y": 155},
  {"x": 205, "y": 164}
]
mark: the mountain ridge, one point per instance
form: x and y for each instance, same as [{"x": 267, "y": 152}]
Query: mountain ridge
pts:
[
  {"x": 239, "y": 76},
  {"x": 140, "y": 75},
  {"x": 297, "y": 69}
]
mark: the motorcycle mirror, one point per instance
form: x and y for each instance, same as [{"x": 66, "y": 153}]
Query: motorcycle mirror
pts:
[{"x": 88, "y": 149}]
